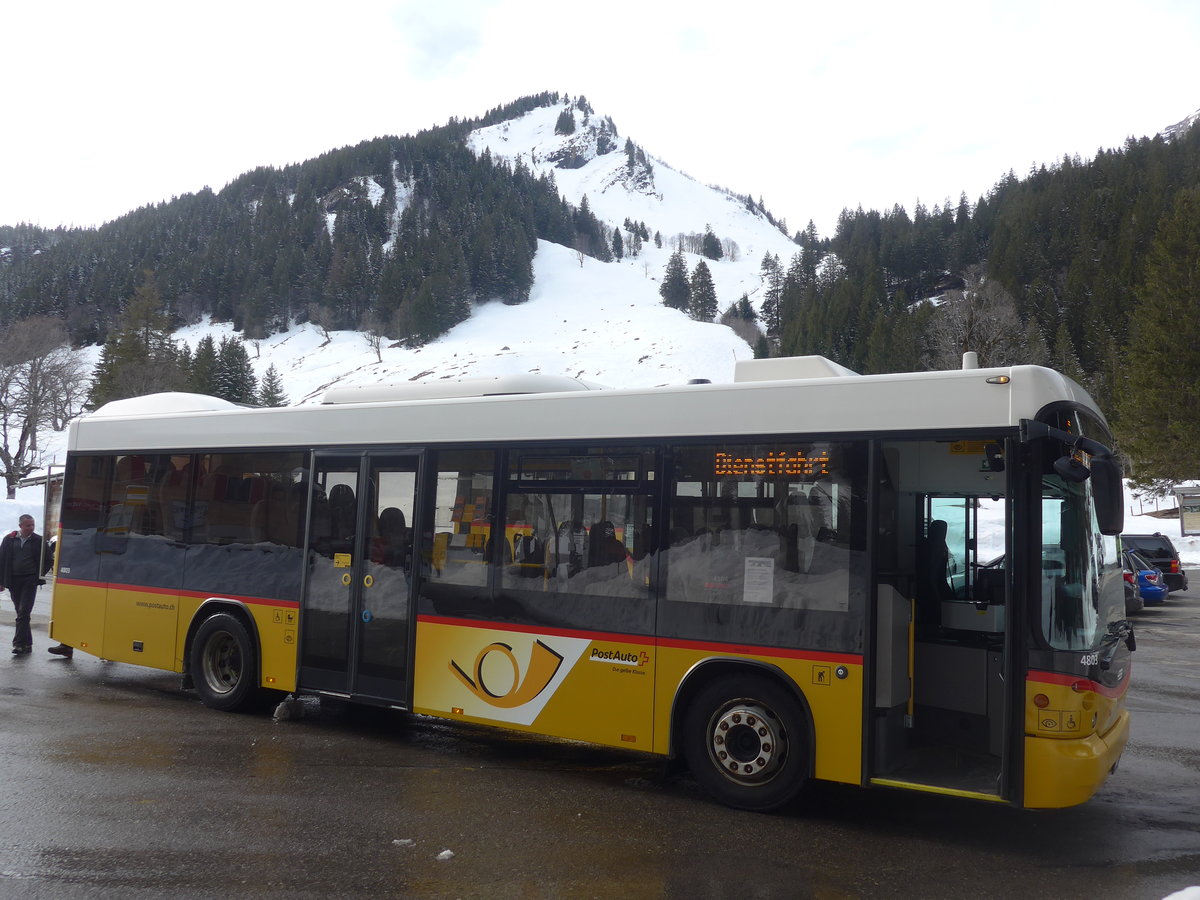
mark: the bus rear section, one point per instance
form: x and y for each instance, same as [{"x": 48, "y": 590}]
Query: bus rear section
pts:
[{"x": 152, "y": 544}]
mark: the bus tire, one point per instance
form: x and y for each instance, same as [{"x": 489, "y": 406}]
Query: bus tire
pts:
[
  {"x": 746, "y": 742},
  {"x": 224, "y": 663}
]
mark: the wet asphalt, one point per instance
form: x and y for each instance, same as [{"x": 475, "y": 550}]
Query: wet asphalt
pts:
[{"x": 114, "y": 782}]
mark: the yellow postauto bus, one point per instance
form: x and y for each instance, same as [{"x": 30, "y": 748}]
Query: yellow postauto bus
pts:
[{"x": 902, "y": 580}]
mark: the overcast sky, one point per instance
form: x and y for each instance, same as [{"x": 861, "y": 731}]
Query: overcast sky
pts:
[{"x": 812, "y": 106}]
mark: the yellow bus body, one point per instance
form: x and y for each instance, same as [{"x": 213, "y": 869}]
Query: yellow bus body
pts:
[
  {"x": 1073, "y": 738},
  {"x": 615, "y": 690},
  {"x": 146, "y": 627}
]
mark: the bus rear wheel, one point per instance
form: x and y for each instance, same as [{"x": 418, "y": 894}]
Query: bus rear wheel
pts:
[
  {"x": 224, "y": 663},
  {"x": 745, "y": 739}
]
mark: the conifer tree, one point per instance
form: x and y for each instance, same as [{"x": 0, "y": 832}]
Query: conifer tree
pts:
[
  {"x": 772, "y": 274},
  {"x": 908, "y": 350},
  {"x": 1035, "y": 351},
  {"x": 879, "y": 344},
  {"x": 1160, "y": 408},
  {"x": 618, "y": 246},
  {"x": 422, "y": 313},
  {"x": 703, "y": 304},
  {"x": 1065, "y": 359},
  {"x": 203, "y": 378},
  {"x": 140, "y": 358},
  {"x": 710, "y": 245},
  {"x": 675, "y": 288},
  {"x": 235, "y": 374},
  {"x": 270, "y": 389}
]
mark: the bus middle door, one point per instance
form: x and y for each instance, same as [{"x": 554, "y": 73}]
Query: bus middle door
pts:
[{"x": 356, "y": 623}]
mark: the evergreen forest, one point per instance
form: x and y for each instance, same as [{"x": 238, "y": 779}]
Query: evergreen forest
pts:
[
  {"x": 1090, "y": 266},
  {"x": 262, "y": 254}
]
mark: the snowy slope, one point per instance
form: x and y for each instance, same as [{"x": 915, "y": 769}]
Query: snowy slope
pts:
[
  {"x": 1180, "y": 128},
  {"x": 673, "y": 204},
  {"x": 604, "y": 322},
  {"x": 596, "y": 321}
]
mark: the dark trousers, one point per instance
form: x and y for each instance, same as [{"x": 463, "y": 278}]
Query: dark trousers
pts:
[{"x": 24, "y": 591}]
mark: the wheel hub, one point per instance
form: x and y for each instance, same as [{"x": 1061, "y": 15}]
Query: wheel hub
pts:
[
  {"x": 746, "y": 742},
  {"x": 222, "y": 664}
]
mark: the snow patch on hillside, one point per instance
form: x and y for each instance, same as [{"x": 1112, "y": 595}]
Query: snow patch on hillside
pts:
[{"x": 602, "y": 322}]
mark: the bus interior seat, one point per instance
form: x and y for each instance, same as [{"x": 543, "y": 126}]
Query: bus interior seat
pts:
[
  {"x": 342, "y": 510},
  {"x": 273, "y": 519},
  {"x": 603, "y": 546},
  {"x": 989, "y": 586},
  {"x": 130, "y": 470},
  {"x": 392, "y": 542},
  {"x": 231, "y": 500}
]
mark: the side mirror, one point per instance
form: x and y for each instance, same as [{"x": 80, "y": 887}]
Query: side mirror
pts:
[
  {"x": 1109, "y": 494},
  {"x": 1107, "y": 488}
]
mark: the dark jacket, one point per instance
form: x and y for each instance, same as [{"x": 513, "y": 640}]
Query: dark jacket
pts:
[{"x": 22, "y": 562}]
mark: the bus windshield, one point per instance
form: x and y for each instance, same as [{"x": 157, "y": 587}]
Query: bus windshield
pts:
[{"x": 1081, "y": 576}]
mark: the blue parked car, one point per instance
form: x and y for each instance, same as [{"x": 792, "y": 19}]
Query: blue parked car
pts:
[{"x": 1149, "y": 578}]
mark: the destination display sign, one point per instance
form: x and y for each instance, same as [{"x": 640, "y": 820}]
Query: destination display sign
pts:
[{"x": 774, "y": 463}]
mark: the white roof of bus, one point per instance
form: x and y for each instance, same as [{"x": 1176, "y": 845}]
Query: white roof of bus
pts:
[
  {"x": 808, "y": 402},
  {"x": 165, "y": 403}
]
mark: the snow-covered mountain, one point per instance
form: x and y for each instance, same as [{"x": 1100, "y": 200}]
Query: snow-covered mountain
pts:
[
  {"x": 1181, "y": 127},
  {"x": 604, "y": 322}
]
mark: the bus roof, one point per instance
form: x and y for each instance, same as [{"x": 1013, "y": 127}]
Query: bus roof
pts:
[{"x": 803, "y": 396}]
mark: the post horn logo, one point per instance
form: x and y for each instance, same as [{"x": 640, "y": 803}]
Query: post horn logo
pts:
[{"x": 543, "y": 664}]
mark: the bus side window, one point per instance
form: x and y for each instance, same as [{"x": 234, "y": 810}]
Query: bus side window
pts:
[
  {"x": 453, "y": 545},
  {"x": 82, "y": 504}
]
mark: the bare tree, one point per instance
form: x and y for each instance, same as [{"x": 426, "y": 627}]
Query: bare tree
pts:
[
  {"x": 43, "y": 383},
  {"x": 373, "y": 328},
  {"x": 322, "y": 318},
  {"x": 981, "y": 317}
]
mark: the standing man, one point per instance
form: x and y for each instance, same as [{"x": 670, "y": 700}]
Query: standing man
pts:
[{"x": 20, "y": 572}]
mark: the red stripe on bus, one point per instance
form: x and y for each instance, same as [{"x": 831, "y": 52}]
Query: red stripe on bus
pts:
[
  {"x": 196, "y": 595},
  {"x": 850, "y": 659},
  {"x": 535, "y": 629},
  {"x": 1096, "y": 687},
  {"x": 677, "y": 643}
]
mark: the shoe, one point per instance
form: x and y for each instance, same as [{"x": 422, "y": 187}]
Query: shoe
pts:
[
  {"x": 62, "y": 650},
  {"x": 19, "y": 650}
]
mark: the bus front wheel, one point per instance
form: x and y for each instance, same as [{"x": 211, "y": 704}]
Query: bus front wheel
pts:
[
  {"x": 223, "y": 663},
  {"x": 745, "y": 739}
]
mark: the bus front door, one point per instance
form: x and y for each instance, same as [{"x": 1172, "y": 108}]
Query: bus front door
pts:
[
  {"x": 355, "y": 624},
  {"x": 942, "y": 717}
]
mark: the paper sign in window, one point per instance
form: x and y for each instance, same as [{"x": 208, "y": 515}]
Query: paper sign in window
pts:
[{"x": 759, "y": 583}]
